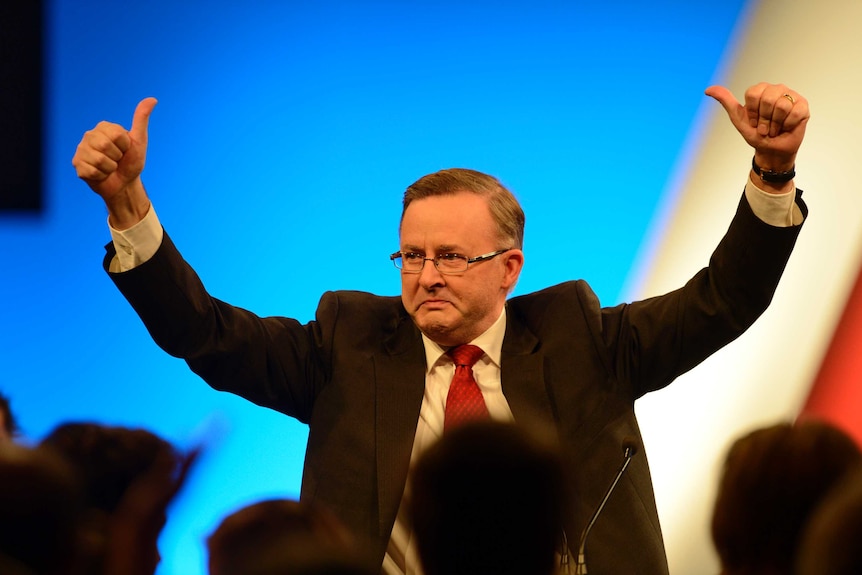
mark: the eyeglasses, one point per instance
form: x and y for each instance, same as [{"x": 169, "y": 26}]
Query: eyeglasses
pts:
[{"x": 413, "y": 263}]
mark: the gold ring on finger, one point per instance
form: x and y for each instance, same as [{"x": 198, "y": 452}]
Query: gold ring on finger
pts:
[{"x": 789, "y": 97}]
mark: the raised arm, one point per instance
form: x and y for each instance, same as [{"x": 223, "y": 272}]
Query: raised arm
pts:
[{"x": 110, "y": 160}]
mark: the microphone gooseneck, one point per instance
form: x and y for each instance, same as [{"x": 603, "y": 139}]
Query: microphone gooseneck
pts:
[{"x": 630, "y": 448}]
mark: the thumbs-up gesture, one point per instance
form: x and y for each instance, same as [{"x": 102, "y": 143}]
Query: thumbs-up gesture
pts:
[
  {"x": 110, "y": 160},
  {"x": 772, "y": 120}
]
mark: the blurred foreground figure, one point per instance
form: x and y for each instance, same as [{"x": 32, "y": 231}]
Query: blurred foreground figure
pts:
[
  {"x": 488, "y": 499},
  {"x": 8, "y": 424},
  {"x": 832, "y": 542},
  {"x": 129, "y": 476},
  {"x": 773, "y": 480},
  {"x": 41, "y": 509},
  {"x": 283, "y": 537}
]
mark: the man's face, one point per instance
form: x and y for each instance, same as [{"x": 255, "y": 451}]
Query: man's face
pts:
[{"x": 452, "y": 309}]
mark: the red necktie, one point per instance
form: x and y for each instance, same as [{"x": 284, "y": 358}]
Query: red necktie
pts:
[{"x": 465, "y": 401}]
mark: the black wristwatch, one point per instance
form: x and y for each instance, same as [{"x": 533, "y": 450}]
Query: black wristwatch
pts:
[{"x": 773, "y": 177}]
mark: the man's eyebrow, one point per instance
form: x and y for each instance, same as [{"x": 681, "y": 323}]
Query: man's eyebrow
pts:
[{"x": 442, "y": 249}]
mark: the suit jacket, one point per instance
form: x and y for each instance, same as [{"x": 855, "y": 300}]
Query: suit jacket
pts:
[{"x": 355, "y": 375}]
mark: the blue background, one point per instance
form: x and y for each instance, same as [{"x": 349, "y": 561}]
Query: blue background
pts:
[{"x": 284, "y": 137}]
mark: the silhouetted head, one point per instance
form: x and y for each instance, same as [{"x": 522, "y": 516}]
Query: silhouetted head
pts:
[
  {"x": 773, "y": 479},
  {"x": 278, "y": 536},
  {"x": 41, "y": 507},
  {"x": 488, "y": 498}
]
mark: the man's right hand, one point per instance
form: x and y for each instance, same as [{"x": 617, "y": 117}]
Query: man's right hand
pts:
[{"x": 110, "y": 160}]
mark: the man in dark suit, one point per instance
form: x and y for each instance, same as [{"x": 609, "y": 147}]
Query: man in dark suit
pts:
[{"x": 370, "y": 375}]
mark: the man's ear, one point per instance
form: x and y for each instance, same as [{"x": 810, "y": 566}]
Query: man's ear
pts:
[{"x": 514, "y": 262}]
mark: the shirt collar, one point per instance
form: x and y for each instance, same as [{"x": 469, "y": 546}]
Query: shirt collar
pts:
[{"x": 491, "y": 342}]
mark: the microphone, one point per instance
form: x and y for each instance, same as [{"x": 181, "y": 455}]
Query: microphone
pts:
[{"x": 630, "y": 448}]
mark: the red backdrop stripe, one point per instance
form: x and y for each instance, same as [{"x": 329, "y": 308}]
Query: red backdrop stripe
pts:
[{"x": 836, "y": 394}]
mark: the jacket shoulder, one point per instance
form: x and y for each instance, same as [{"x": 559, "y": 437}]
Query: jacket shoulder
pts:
[{"x": 566, "y": 293}]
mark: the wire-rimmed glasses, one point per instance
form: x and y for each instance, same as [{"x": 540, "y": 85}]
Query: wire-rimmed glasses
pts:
[{"x": 446, "y": 263}]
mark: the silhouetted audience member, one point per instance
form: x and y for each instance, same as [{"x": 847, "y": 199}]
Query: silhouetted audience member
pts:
[
  {"x": 130, "y": 476},
  {"x": 832, "y": 540},
  {"x": 487, "y": 498},
  {"x": 284, "y": 537},
  {"x": 8, "y": 425},
  {"x": 41, "y": 506},
  {"x": 773, "y": 479}
]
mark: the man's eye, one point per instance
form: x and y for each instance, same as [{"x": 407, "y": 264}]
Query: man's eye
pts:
[
  {"x": 412, "y": 256},
  {"x": 450, "y": 257}
]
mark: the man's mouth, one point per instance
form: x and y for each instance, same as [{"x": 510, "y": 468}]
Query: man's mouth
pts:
[{"x": 434, "y": 303}]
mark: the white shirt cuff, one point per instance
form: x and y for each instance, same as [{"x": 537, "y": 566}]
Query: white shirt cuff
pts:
[
  {"x": 779, "y": 210},
  {"x": 137, "y": 244}
]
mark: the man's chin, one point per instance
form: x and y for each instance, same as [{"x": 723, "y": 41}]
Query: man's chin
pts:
[{"x": 438, "y": 331}]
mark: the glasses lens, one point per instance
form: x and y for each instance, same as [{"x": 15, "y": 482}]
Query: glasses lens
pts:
[
  {"x": 452, "y": 263},
  {"x": 411, "y": 262}
]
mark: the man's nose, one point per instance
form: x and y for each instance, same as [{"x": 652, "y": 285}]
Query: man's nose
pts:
[{"x": 430, "y": 275}]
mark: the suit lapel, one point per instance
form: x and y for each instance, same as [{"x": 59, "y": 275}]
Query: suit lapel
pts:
[
  {"x": 400, "y": 381},
  {"x": 522, "y": 374}
]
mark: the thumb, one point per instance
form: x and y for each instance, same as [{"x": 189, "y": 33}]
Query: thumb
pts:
[
  {"x": 728, "y": 101},
  {"x": 724, "y": 97},
  {"x": 141, "y": 120}
]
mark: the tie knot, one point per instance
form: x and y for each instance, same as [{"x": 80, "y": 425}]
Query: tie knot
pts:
[{"x": 466, "y": 355}]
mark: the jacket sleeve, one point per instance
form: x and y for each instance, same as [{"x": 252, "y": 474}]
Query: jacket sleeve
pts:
[
  {"x": 653, "y": 341},
  {"x": 275, "y": 362}
]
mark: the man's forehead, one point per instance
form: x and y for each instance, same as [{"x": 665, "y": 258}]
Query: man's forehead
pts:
[{"x": 462, "y": 213}]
